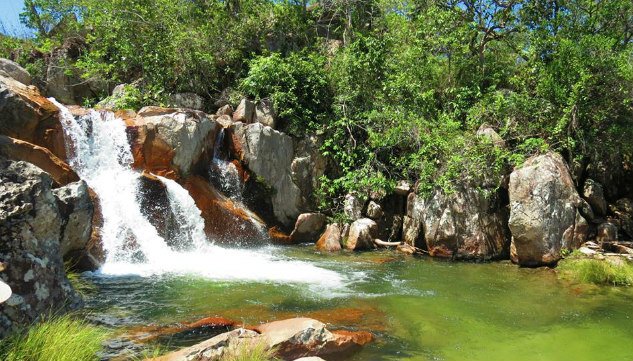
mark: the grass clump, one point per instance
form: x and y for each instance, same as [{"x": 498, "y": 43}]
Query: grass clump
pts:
[
  {"x": 247, "y": 351},
  {"x": 61, "y": 338},
  {"x": 601, "y": 272}
]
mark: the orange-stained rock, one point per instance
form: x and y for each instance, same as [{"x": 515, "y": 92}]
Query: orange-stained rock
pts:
[
  {"x": 149, "y": 151},
  {"x": 225, "y": 220},
  {"x": 330, "y": 240},
  {"x": 206, "y": 325},
  {"x": 16, "y": 149},
  {"x": 25, "y": 114},
  {"x": 279, "y": 236}
]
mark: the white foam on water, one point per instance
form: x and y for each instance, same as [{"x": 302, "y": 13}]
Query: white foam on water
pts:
[{"x": 99, "y": 152}]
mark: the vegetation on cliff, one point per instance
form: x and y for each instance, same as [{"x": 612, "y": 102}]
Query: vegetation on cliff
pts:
[{"x": 397, "y": 89}]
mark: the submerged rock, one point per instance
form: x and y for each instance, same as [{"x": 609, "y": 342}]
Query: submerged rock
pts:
[
  {"x": 544, "y": 211},
  {"x": 30, "y": 233}
]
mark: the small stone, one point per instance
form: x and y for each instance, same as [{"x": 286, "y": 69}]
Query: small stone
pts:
[
  {"x": 374, "y": 211},
  {"x": 403, "y": 188},
  {"x": 225, "y": 110}
]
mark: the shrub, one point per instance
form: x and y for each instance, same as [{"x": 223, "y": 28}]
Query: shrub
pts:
[
  {"x": 60, "y": 338},
  {"x": 597, "y": 271}
]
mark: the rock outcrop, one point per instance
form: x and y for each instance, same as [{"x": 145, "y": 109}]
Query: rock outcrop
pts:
[
  {"x": 13, "y": 70},
  {"x": 544, "y": 216},
  {"x": 187, "y": 101},
  {"x": 170, "y": 142},
  {"x": 26, "y": 115},
  {"x": 265, "y": 113},
  {"x": 30, "y": 232},
  {"x": 291, "y": 339},
  {"x": 361, "y": 235},
  {"x": 594, "y": 194},
  {"x": 330, "y": 240},
  {"x": 16, "y": 149},
  {"x": 245, "y": 112},
  {"x": 76, "y": 208},
  {"x": 269, "y": 155},
  {"x": 308, "y": 227}
]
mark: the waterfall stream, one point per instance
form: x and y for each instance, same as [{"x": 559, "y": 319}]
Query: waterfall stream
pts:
[{"x": 98, "y": 150}]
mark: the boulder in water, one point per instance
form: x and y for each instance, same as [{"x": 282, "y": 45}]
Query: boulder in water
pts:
[
  {"x": 30, "y": 232},
  {"x": 308, "y": 227},
  {"x": 330, "y": 240},
  {"x": 361, "y": 235},
  {"x": 544, "y": 211}
]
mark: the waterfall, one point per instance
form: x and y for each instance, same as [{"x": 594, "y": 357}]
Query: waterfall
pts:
[
  {"x": 224, "y": 172},
  {"x": 190, "y": 234},
  {"x": 99, "y": 152}
]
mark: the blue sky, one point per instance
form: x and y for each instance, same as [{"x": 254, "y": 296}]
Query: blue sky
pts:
[{"x": 10, "y": 17}]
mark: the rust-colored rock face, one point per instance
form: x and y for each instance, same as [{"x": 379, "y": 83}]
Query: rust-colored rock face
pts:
[
  {"x": 43, "y": 158},
  {"x": 330, "y": 240},
  {"x": 221, "y": 214},
  {"x": 25, "y": 114},
  {"x": 151, "y": 153}
]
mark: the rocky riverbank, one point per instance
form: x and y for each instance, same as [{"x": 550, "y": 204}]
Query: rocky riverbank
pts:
[{"x": 541, "y": 211}]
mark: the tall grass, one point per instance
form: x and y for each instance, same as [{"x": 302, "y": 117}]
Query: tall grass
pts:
[
  {"x": 601, "y": 272},
  {"x": 60, "y": 338},
  {"x": 247, "y": 351}
]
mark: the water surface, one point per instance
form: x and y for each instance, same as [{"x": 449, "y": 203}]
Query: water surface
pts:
[{"x": 419, "y": 308}]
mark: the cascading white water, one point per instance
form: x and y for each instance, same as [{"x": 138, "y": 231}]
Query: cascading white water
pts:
[
  {"x": 99, "y": 152},
  {"x": 224, "y": 171}
]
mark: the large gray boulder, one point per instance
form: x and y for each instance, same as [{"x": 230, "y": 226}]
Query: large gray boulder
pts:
[
  {"x": 464, "y": 224},
  {"x": 15, "y": 71},
  {"x": 76, "y": 208},
  {"x": 544, "y": 211},
  {"x": 30, "y": 229},
  {"x": 187, "y": 134},
  {"x": 269, "y": 154},
  {"x": 307, "y": 168}
]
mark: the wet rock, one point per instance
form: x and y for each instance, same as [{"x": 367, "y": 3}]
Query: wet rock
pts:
[
  {"x": 300, "y": 337},
  {"x": 308, "y": 227},
  {"x": 221, "y": 214},
  {"x": 26, "y": 115},
  {"x": 374, "y": 210},
  {"x": 265, "y": 113},
  {"x": 353, "y": 207},
  {"x": 269, "y": 154},
  {"x": 607, "y": 232},
  {"x": 594, "y": 194},
  {"x": 41, "y": 157},
  {"x": 187, "y": 101},
  {"x": 543, "y": 210},
  {"x": 30, "y": 227},
  {"x": 76, "y": 208},
  {"x": 330, "y": 240},
  {"x": 170, "y": 142},
  {"x": 13, "y": 70},
  {"x": 154, "y": 203},
  {"x": 245, "y": 112},
  {"x": 361, "y": 234}
]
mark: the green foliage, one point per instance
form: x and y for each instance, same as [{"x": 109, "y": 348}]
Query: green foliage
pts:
[
  {"x": 249, "y": 351},
  {"x": 60, "y": 338},
  {"x": 601, "y": 272},
  {"x": 397, "y": 90},
  {"x": 296, "y": 84}
]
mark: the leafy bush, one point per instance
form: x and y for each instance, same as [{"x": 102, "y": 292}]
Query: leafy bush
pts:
[
  {"x": 296, "y": 84},
  {"x": 56, "y": 339}
]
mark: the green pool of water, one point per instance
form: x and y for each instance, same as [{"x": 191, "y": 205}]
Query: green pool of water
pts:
[{"x": 419, "y": 308}]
